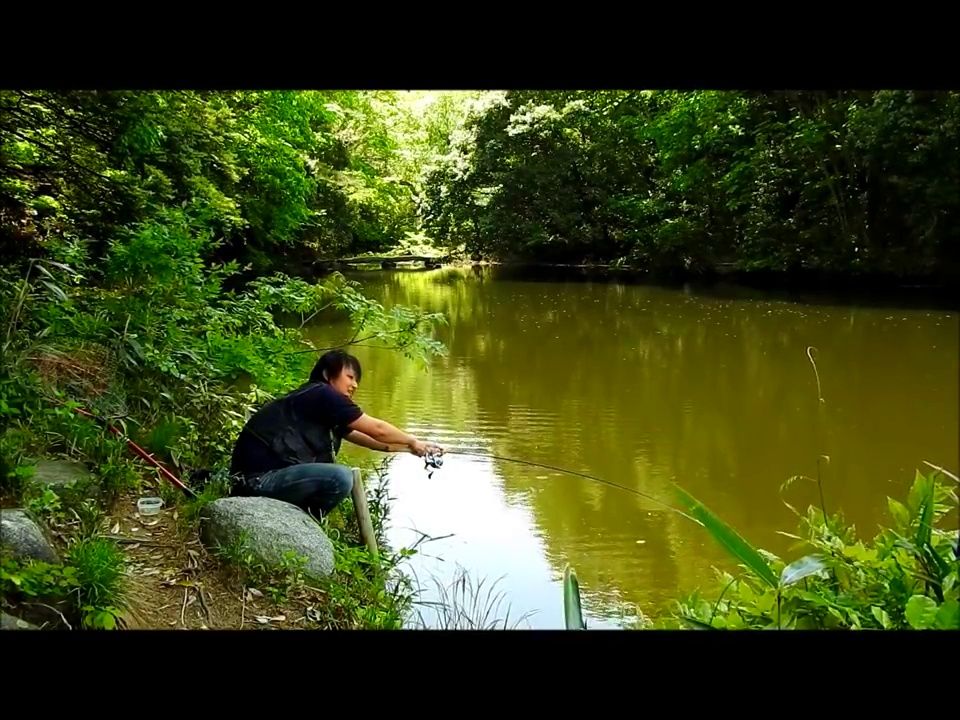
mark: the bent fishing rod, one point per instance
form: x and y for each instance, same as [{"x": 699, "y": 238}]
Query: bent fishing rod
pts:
[{"x": 436, "y": 461}]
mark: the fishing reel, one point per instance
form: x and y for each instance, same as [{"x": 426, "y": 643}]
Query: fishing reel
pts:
[{"x": 432, "y": 462}]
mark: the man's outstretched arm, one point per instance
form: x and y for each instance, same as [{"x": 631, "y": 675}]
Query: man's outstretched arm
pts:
[
  {"x": 384, "y": 432},
  {"x": 364, "y": 440}
]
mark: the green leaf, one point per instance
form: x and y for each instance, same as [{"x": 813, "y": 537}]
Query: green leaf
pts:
[
  {"x": 934, "y": 562},
  {"x": 925, "y": 512},
  {"x": 62, "y": 266},
  {"x": 901, "y": 516},
  {"x": 854, "y": 619},
  {"x": 766, "y": 602},
  {"x": 882, "y": 617},
  {"x": 729, "y": 538},
  {"x": 42, "y": 269},
  {"x": 921, "y": 612},
  {"x": 61, "y": 295},
  {"x": 107, "y": 621},
  {"x": 572, "y": 611},
  {"x": 800, "y": 569},
  {"x": 746, "y": 593},
  {"x": 921, "y": 489},
  {"x": 859, "y": 552},
  {"x": 948, "y": 616}
]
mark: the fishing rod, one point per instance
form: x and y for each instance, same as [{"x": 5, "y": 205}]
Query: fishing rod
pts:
[
  {"x": 139, "y": 451},
  {"x": 435, "y": 461}
]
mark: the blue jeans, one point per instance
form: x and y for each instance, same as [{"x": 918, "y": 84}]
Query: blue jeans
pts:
[{"x": 315, "y": 487}]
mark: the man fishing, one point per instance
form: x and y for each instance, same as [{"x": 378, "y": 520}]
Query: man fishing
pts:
[{"x": 287, "y": 449}]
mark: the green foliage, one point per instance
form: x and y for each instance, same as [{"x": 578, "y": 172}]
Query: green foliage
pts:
[
  {"x": 45, "y": 502},
  {"x": 363, "y": 593},
  {"x": 905, "y": 578},
  {"x": 279, "y": 582},
  {"x": 238, "y": 554},
  {"x": 852, "y": 182},
  {"x": 37, "y": 579},
  {"x": 91, "y": 580},
  {"x": 89, "y": 515},
  {"x": 216, "y": 487},
  {"x": 358, "y": 594},
  {"x": 52, "y": 429},
  {"x": 841, "y": 181},
  {"x": 12, "y": 475},
  {"x": 289, "y": 576},
  {"x": 96, "y": 618},
  {"x": 315, "y": 171},
  {"x": 101, "y": 587}
]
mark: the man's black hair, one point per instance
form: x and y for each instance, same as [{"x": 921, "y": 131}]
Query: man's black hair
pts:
[{"x": 333, "y": 362}]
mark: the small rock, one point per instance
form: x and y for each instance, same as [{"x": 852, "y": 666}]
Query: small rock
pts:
[
  {"x": 58, "y": 474},
  {"x": 9, "y": 622},
  {"x": 23, "y": 538},
  {"x": 271, "y": 528}
]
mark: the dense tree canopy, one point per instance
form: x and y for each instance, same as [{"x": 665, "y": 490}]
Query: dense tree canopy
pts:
[
  {"x": 843, "y": 181},
  {"x": 846, "y": 182}
]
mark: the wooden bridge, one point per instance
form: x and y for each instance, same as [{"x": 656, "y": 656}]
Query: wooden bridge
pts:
[{"x": 386, "y": 261}]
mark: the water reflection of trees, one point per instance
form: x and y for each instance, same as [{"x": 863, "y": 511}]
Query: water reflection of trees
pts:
[{"x": 643, "y": 386}]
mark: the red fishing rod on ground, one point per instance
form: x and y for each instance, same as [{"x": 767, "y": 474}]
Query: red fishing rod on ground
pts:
[{"x": 139, "y": 451}]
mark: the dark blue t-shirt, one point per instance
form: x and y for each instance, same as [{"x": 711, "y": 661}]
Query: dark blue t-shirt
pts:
[{"x": 320, "y": 405}]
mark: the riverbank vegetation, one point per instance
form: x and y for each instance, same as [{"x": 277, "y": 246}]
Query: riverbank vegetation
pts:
[
  {"x": 905, "y": 577},
  {"x": 143, "y": 237}
]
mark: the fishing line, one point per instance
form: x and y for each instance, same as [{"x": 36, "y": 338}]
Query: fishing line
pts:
[{"x": 435, "y": 461}]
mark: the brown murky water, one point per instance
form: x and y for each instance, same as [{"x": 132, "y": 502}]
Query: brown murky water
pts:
[{"x": 644, "y": 386}]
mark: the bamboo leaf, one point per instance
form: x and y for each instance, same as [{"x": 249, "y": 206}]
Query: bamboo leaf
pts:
[
  {"x": 62, "y": 266},
  {"x": 55, "y": 289},
  {"x": 728, "y": 538},
  {"x": 925, "y": 513},
  {"x": 572, "y": 611}
]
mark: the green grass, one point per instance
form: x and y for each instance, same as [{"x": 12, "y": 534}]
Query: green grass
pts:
[{"x": 101, "y": 591}]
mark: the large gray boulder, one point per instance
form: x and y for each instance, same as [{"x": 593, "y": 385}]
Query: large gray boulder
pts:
[
  {"x": 270, "y": 528},
  {"x": 61, "y": 474},
  {"x": 23, "y": 539}
]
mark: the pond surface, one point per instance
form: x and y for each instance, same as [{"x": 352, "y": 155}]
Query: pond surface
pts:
[{"x": 643, "y": 386}]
